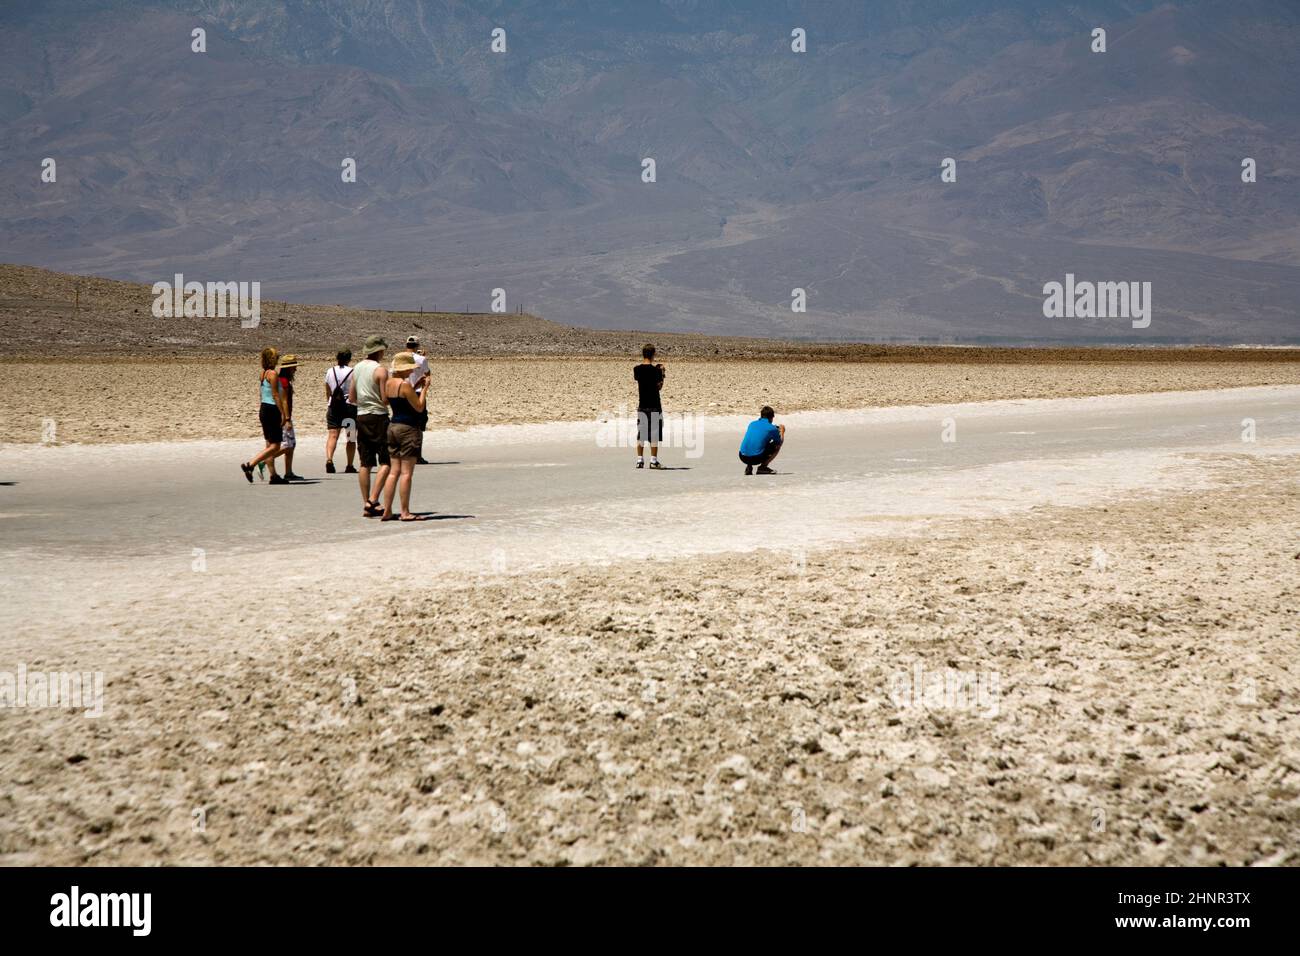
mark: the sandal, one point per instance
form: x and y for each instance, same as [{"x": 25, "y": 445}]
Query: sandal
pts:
[{"x": 248, "y": 471}]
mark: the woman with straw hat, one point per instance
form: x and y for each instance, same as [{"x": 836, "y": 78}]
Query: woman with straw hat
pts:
[
  {"x": 273, "y": 415},
  {"x": 289, "y": 441},
  {"x": 404, "y": 433}
]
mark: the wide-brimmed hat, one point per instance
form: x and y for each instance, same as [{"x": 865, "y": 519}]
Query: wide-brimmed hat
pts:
[
  {"x": 374, "y": 344},
  {"x": 404, "y": 362},
  {"x": 288, "y": 361}
]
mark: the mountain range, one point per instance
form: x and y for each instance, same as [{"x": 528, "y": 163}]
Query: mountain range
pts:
[{"x": 774, "y": 170}]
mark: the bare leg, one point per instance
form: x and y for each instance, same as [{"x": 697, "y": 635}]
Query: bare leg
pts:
[
  {"x": 331, "y": 443},
  {"x": 363, "y": 479},
  {"x": 390, "y": 486},
  {"x": 267, "y": 454},
  {"x": 352, "y": 451},
  {"x": 381, "y": 479},
  {"x": 408, "y": 471},
  {"x": 270, "y": 462}
]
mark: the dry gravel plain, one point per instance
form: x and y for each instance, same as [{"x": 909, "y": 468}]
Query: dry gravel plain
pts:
[
  {"x": 1137, "y": 708},
  {"x": 84, "y": 361},
  {"x": 99, "y": 400}
]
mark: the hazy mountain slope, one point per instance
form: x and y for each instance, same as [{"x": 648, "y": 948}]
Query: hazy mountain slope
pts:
[{"x": 775, "y": 170}]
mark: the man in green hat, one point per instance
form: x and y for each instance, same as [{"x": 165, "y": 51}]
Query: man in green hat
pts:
[{"x": 367, "y": 393}]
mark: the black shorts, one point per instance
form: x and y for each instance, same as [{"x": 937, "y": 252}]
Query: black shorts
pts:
[
  {"x": 372, "y": 440},
  {"x": 768, "y": 450},
  {"x": 650, "y": 425},
  {"x": 272, "y": 426},
  {"x": 336, "y": 415}
]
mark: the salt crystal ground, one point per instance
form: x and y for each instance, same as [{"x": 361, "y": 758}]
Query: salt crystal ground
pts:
[{"x": 584, "y": 663}]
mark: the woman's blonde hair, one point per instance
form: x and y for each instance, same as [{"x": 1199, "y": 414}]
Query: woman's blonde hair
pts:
[{"x": 270, "y": 356}]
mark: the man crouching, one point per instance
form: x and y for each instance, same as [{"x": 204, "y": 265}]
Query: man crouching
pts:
[{"x": 762, "y": 442}]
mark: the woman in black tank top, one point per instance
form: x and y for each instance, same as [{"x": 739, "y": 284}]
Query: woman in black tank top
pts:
[{"x": 405, "y": 434}]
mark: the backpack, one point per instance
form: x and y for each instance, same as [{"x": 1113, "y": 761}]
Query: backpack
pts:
[{"x": 339, "y": 398}]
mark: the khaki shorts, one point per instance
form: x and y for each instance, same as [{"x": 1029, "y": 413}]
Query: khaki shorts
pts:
[{"x": 404, "y": 441}]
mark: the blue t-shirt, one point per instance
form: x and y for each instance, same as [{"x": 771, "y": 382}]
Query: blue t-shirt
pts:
[{"x": 757, "y": 435}]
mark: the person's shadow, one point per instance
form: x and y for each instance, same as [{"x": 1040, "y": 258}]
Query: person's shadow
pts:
[{"x": 421, "y": 516}]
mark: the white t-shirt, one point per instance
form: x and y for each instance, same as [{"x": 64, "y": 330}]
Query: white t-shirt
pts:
[
  {"x": 336, "y": 376},
  {"x": 421, "y": 370}
]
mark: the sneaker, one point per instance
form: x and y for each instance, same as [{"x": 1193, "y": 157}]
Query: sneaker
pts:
[
  {"x": 329, "y": 467},
  {"x": 749, "y": 469},
  {"x": 349, "y": 470},
  {"x": 655, "y": 463},
  {"x": 640, "y": 462},
  {"x": 278, "y": 480},
  {"x": 421, "y": 461},
  {"x": 290, "y": 476},
  {"x": 764, "y": 470}
]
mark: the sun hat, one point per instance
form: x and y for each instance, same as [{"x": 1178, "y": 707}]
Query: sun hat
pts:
[
  {"x": 289, "y": 361},
  {"x": 404, "y": 362},
  {"x": 375, "y": 344}
]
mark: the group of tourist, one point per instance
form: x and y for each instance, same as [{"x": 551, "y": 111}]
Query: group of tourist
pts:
[{"x": 381, "y": 409}]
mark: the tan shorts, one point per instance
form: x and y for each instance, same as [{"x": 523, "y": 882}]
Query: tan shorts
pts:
[{"x": 404, "y": 441}]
